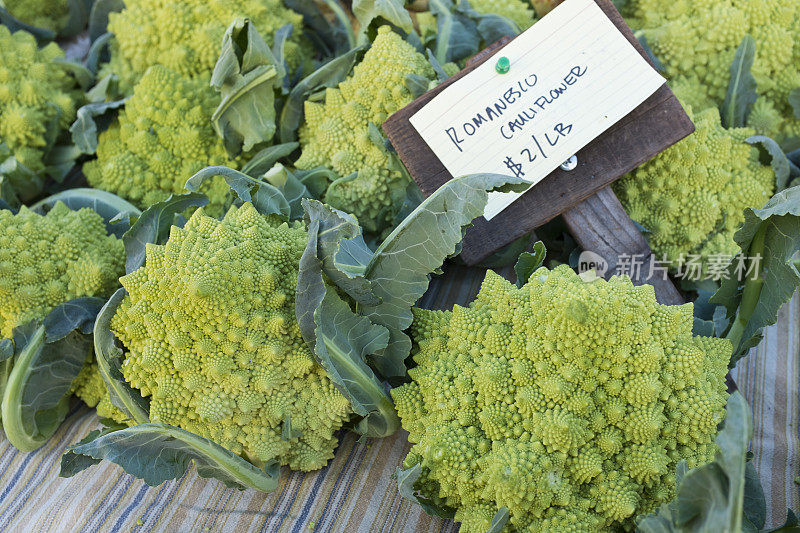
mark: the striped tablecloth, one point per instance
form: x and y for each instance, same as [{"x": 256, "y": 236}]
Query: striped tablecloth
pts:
[{"x": 355, "y": 492}]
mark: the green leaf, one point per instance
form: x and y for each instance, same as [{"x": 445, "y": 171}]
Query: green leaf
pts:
[
  {"x": 769, "y": 238},
  {"x": 292, "y": 189},
  {"x": 100, "y": 53},
  {"x": 794, "y": 101},
  {"x": 780, "y": 162},
  {"x": 343, "y": 341},
  {"x": 491, "y": 26},
  {"x": 265, "y": 159},
  {"x": 331, "y": 39},
  {"x": 14, "y": 25},
  {"x": 72, "y": 463},
  {"x": 48, "y": 357},
  {"x": 91, "y": 120},
  {"x": 115, "y": 211},
  {"x": 406, "y": 479},
  {"x": 246, "y": 76},
  {"x": 26, "y": 183},
  {"x": 755, "y": 504},
  {"x": 528, "y": 263},
  {"x": 6, "y": 364},
  {"x": 83, "y": 76},
  {"x": 392, "y": 11},
  {"x": 266, "y": 198},
  {"x": 328, "y": 75},
  {"x": 417, "y": 85},
  {"x": 8, "y": 198},
  {"x": 98, "y": 18},
  {"x": 157, "y": 453},
  {"x": 499, "y": 521},
  {"x": 741, "y": 93},
  {"x": 109, "y": 358},
  {"x": 78, "y": 17},
  {"x": 153, "y": 226},
  {"x": 400, "y": 266},
  {"x": 457, "y": 35}
]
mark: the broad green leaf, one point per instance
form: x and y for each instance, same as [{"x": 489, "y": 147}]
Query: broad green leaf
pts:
[
  {"x": 331, "y": 39},
  {"x": 741, "y": 93},
  {"x": 91, "y": 120},
  {"x": 392, "y": 11},
  {"x": 769, "y": 239},
  {"x": 106, "y": 89},
  {"x": 8, "y": 198},
  {"x": 115, "y": 211},
  {"x": 246, "y": 76},
  {"x": 505, "y": 256},
  {"x": 794, "y": 101},
  {"x": 417, "y": 85},
  {"x": 457, "y": 35},
  {"x": 266, "y": 198},
  {"x": 72, "y": 463},
  {"x": 78, "y": 17},
  {"x": 755, "y": 504},
  {"x": 290, "y": 187},
  {"x": 328, "y": 75},
  {"x": 265, "y": 159},
  {"x": 529, "y": 262},
  {"x": 98, "y": 18},
  {"x": 157, "y": 453},
  {"x": 499, "y": 521},
  {"x": 47, "y": 358},
  {"x": 780, "y": 163},
  {"x": 399, "y": 270},
  {"x": 14, "y": 25},
  {"x": 406, "y": 478},
  {"x": 109, "y": 358},
  {"x": 343, "y": 342},
  {"x": 153, "y": 226},
  {"x": 491, "y": 26},
  {"x": 25, "y": 183}
]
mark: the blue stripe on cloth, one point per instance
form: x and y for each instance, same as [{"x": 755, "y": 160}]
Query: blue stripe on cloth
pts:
[
  {"x": 318, "y": 481},
  {"x": 213, "y": 514},
  {"x": 127, "y": 511},
  {"x": 299, "y": 485},
  {"x": 172, "y": 487},
  {"x": 332, "y": 493},
  {"x": 106, "y": 506},
  {"x": 349, "y": 473},
  {"x": 279, "y": 498}
]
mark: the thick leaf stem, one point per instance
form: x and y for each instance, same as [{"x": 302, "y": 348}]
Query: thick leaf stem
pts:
[{"x": 752, "y": 289}]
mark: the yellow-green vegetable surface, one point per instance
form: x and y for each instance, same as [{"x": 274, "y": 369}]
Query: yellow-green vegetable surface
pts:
[
  {"x": 210, "y": 326},
  {"x": 37, "y": 100},
  {"x": 697, "y": 42},
  {"x": 186, "y": 36},
  {"x": 336, "y": 132},
  {"x": 568, "y": 402},
  {"x": 691, "y": 197},
  {"x": 49, "y": 14},
  {"x": 162, "y": 137}
]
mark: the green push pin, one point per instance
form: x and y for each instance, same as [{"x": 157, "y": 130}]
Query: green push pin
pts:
[{"x": 503, "y": 65}]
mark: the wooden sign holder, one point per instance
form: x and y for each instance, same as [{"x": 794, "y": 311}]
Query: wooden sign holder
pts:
[{"x": 582, "y": 196}]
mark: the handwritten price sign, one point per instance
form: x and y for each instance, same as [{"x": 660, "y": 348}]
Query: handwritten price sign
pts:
[{"x": 572, "y": 76}]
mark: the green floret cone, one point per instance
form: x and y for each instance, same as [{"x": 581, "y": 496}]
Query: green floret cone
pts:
[
  {"x": 185, "y": 36},
  {"x": 567, "y": 402},
  {"x": 697, "y": 41},
  {"x": 162, "y": 137},
  {"x": 691, "y": 197},
  {"x": 37, "y": 102},
  {"x": 212, "y": 339},
  {"x": 336, "y": 133}
]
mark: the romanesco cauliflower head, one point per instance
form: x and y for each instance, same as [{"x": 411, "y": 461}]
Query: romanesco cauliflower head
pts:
[
  {"x": 37, "y": 99},
  {"x": 518, "y": 11},
  {"x": 90, "y": 387},
  {"x": 697, "y": 42},
  {"x": 213, "y": 340},
  {"x": 691, "y": 197},
  {"x": 49, "y": 260},
  {"x": 336, "y": 132},
  {"x": 185, "y": 36},
  {"x": 568, "y": 402},
  {"x": 49, "y": 14},
  {"x": 163, "y": 136}
]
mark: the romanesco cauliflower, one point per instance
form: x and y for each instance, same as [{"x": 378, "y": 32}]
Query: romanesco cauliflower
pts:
[
  {"x": 697, "y": 41},
  {"x": 185, "y": 36},
  {"x": 37, "y": 101},
  {"x": 518, "y": 11},
  {"x": 51, "y": 259},
  {"x": 49, "y": 14},
  {"x": 336, "y": 132},
  {"x": 210, "y": 326},
  {"x": 90, "y": 387},
  {"x": 568, "y": 402},
  {"x": 163, "y": 136},
  {"x": 692, "y": 196}
]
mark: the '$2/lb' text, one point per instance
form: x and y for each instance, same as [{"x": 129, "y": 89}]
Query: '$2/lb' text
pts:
[{"x": 529, "y": 155}]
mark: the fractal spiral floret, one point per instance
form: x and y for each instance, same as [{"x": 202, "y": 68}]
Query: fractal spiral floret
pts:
[
  {"x": 185, "y": 36},
  {"x": 336, "y": 132},
  {"x": 213, "y": 341},
  {"x": 163, "y": 136},
  {"x": 692, "y": 196},
  {"x": 37, "y": 100},
  {"x": 568, "y": 402}
]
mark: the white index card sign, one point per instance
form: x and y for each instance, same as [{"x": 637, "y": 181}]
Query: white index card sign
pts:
[{"x": 572, "y": 76}]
